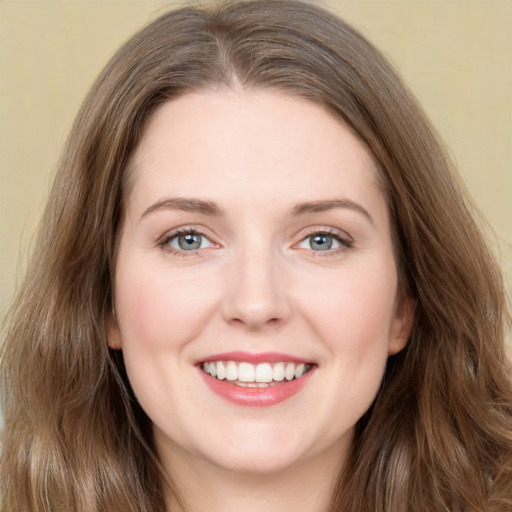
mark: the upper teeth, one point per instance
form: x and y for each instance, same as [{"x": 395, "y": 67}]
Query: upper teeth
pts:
[{"x": 247, "y": 372}]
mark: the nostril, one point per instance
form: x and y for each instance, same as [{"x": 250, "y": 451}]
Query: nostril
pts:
[{"x": 253, "y": 323}]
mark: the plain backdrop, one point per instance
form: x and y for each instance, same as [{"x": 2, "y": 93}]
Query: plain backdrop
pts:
[{"x": 455, "y": 55}]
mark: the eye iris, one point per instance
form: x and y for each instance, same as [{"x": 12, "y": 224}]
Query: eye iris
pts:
[
  {"x": 189, "y": 241},
  {"x": 321, "y": 242}
]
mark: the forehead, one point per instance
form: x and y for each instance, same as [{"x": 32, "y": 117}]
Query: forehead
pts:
[{"x": 254, "y": 144}]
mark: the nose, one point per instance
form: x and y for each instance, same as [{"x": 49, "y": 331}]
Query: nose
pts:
[{"x": 257, "y": 291}]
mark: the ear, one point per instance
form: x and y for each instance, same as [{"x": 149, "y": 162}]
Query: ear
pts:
[
  {"x": 402, "y": 325},
  {"x": 113, "y": 332}
]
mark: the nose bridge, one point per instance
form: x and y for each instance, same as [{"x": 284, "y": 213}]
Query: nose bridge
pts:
[{"x": 257, "y": 289}]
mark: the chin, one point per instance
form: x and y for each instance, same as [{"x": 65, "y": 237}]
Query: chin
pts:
[
  {"x": 266, "y": 463},
  {"x": 261, "y": 451}
]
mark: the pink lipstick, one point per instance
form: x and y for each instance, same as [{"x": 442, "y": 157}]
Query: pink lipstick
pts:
[{"x": 255, "y": 380}]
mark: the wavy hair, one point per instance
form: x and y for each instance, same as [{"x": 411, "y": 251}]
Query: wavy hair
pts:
[{"x": 438, "y": 437}]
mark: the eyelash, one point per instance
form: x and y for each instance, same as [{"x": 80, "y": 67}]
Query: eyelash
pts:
[{"x": 344, "y": 240}]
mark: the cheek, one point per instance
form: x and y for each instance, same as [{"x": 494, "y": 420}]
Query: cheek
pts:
[
  {"x": 159, "y": 309},
  {"x": 159, "y": 314},
  {"x": 353, "y": 310}
]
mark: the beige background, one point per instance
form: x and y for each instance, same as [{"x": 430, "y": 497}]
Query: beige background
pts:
[{"x": 456, "y": 56}]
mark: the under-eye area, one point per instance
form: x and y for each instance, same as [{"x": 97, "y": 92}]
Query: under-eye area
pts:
[{"x": 256, "y": 375}]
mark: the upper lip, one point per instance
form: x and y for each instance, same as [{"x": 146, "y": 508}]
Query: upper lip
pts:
[{"x": 254, "y": 358}]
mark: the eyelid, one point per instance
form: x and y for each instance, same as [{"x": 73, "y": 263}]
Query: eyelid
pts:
[{"x": 328, "y": 230}]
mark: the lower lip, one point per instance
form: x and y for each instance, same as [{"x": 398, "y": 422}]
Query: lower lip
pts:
[{"x": 256, "y": 397}]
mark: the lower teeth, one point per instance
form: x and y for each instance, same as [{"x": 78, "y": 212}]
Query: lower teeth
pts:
[{"x": 254, "y": 384}]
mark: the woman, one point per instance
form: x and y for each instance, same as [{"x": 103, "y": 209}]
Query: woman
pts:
[{"x": 257, "y": 285}]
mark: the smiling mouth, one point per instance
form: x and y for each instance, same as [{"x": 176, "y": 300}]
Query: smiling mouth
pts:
[{"x": 260, "y": 375}]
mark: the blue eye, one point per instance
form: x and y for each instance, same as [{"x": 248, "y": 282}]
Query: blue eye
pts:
[
  {"x": 323, "y": 242},
  {"x": 188, "y": 241}
]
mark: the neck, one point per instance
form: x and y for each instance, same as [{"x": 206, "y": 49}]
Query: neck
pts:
[{"x": 305, "y": 487}]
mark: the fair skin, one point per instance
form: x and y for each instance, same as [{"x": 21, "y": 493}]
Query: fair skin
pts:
[{"x": 255, "y": 225}]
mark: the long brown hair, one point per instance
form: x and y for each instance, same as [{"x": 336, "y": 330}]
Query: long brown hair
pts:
[{"x": 439, "y": 435}]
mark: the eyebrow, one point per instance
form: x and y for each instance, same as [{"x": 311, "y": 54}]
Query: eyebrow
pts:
[
  {"x": 185, "y": 204},
  {"x": 330, "y": 204},
  {"x": 212, "y": 209}
]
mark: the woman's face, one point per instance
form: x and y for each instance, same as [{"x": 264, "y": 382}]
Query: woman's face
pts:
[{"x": 256, "y": 288}]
